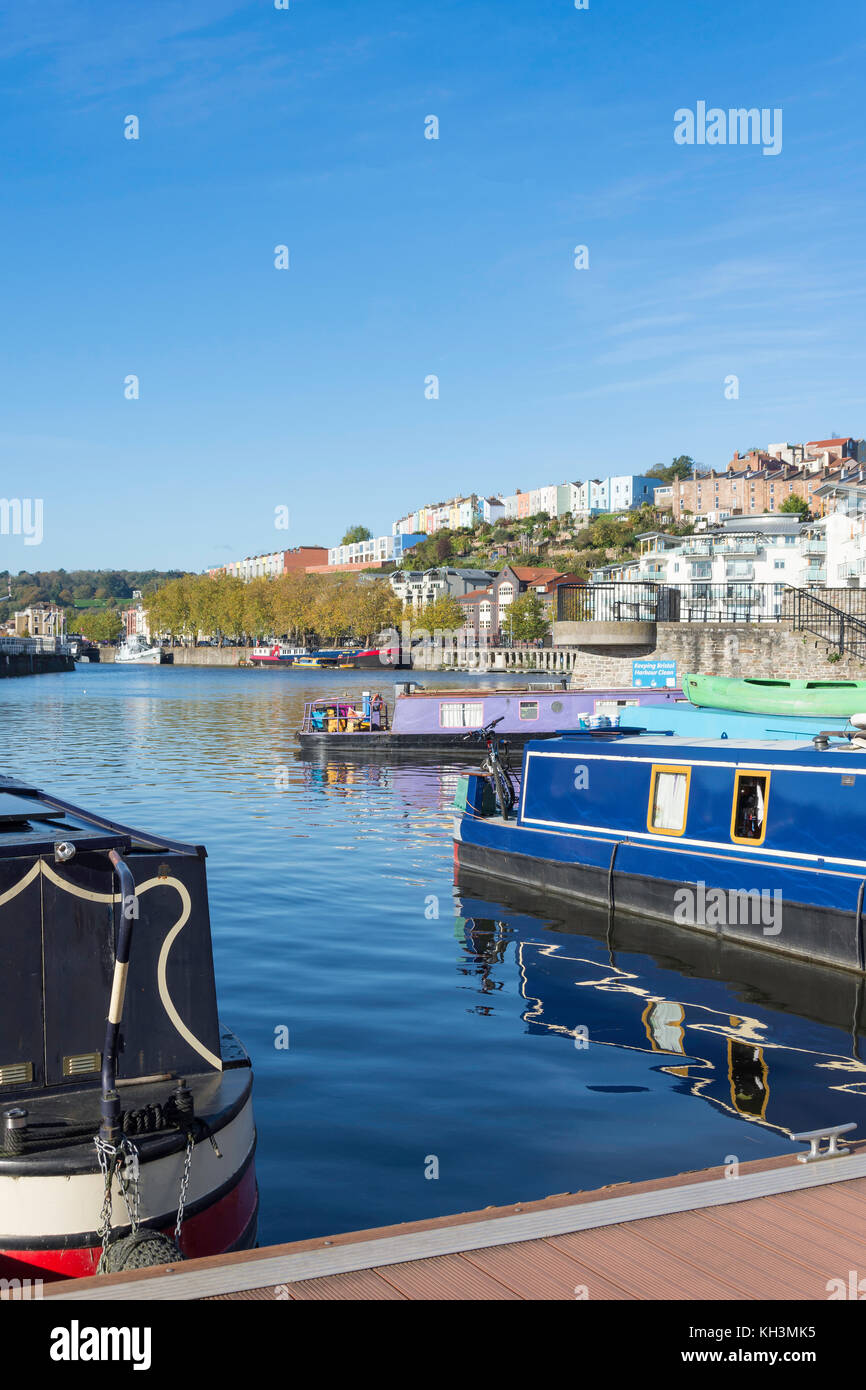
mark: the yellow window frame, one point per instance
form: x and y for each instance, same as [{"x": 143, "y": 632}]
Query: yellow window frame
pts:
[
  {"x": 750, "y": 772},
  {"x": 679, "y": 769}
]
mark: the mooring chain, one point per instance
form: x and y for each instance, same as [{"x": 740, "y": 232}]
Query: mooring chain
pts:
[
  {"x": 107, "y": 1156},
  {"x": 184, "y": 1186},
  {"x": 122, "y": 1159},
  {"x": 128, "y": 1174}
]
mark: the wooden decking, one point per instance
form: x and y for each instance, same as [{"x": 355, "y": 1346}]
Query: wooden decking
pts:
[{"x": 780, "y": 1230}]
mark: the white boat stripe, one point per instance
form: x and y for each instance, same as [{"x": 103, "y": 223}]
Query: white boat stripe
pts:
[
  {"x": 663, "y": 842},
  {"x": 699, "y": 762},
  {"x": 672, "y": 846}
]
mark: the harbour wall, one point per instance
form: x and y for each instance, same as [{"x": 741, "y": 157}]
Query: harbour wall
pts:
[
  {"x": 191, "y": 656},
  {"x": 718, "y": 649},
  {"x": 605, "y": 658},
  {"x": 34, "y": 663}
]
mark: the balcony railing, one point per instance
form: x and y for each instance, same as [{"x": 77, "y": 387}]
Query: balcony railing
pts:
[
  {"x": 16, "y": 646},
  {"x": 733, "y": 601},
  {"x": 620, "y": 601}
]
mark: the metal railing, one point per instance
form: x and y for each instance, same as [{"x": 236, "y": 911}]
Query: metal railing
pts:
[
  {"x": 736, "y": 601},
  {"x": 18, "y": 646},
  {"x": 843, "y": 628},
  {"x": 837, "y": 616}
]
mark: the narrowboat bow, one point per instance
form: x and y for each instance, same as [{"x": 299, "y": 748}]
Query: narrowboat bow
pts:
[
  {"x": 126, "y": 1110},
  {"x": 754, "y": 841}
]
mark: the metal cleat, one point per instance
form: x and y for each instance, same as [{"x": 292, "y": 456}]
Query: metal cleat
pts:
[{"x": 814, "y": 1137}]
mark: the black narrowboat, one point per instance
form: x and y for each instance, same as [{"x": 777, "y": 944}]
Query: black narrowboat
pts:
[{"x": 126, "y": 1124}]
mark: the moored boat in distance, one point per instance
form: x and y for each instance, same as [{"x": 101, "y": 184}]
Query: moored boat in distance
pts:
[
  {"x": 276, "y": 654},
  {"x": 755, "y": 841},
  {"x": 126, "y": 1107},
  {"x": 439, "y": 720},
  {"x": 757, "y": 695},
  {"x": 334, "y": 658},
  {"x": 138, "y": 651}
]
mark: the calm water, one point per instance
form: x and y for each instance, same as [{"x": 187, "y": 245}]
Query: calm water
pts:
[{"x": 428, "y": 1021}]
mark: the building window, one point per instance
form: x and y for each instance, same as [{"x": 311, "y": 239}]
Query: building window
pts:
[
  {"x": 528, "y": 709},
  {"x": 669, "y": 799},
  {"x": 458, "y": 714}
]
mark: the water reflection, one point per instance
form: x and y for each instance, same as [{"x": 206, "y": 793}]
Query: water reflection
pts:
[{"x": 784, "y": 1061}]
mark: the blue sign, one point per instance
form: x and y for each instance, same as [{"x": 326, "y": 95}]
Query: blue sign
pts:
[{"x": 654, "y": 674}]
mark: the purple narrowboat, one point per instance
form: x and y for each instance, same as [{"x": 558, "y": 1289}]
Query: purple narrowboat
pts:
[{"x": 439, "y": 720}]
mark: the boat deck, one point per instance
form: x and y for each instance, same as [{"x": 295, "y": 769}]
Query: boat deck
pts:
[{"x": 780, "y": 1230}]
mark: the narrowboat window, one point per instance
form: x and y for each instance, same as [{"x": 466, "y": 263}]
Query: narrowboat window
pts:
[
  {"x": 749, "y": 816},
  {"x": 669, "y": 798},
  {"x": 460, "y": 714},
  {"x": 528, "y": 709}
]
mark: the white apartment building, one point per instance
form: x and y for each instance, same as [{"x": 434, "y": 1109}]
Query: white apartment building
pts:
[
  {"x": 773, "y": 550},
  {"x": 378, "y": 550},
  {"x": 842, "y": 532},
  {"x": 420, "y": 587},
  {"x": 374, "y": 551}
]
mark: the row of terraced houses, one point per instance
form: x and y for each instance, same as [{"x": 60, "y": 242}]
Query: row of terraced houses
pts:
[{"x": 755, "y": 483}]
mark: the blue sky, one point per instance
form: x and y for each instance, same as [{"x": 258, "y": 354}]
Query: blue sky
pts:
[{"x": 304, "y": 388}]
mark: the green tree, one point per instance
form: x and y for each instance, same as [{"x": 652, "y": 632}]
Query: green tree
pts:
[
  {"x": 355, "y": 534},
  {"x": 525, "y": 620},
  {"x": 97, "y": 624},
  {"x": 444, "y": 614},
  {"x": 607, "y": 533},
  {"x": 683, "y": 466},
  {"x": 795, "y": 504}
]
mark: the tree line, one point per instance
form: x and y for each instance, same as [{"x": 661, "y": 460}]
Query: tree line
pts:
[
  {"x": 302, "y": 608},
  {"x": 71, "y": 587}
]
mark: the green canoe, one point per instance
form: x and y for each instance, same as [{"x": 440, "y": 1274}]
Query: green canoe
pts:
[{"x": 814, "y": 699}]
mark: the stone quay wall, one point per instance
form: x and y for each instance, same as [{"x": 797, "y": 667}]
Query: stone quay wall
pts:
[{"x": 33, "y": 663}]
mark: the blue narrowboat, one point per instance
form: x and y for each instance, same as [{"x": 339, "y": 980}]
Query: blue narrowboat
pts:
[{"x": 753, "y": 841}]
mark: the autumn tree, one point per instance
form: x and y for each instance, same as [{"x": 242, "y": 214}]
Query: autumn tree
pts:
[
  {"x": 98, "y": 624},
  {"x": 526, "y": 618}
]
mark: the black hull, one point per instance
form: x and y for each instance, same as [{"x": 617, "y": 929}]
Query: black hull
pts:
[
  {"x": 821, "y": 935},
  {"x": 374, "y": 663},
  {"x": 388, "y": 744}
]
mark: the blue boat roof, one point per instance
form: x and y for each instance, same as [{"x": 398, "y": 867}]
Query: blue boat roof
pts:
[{"x": 664, "y": 748}]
